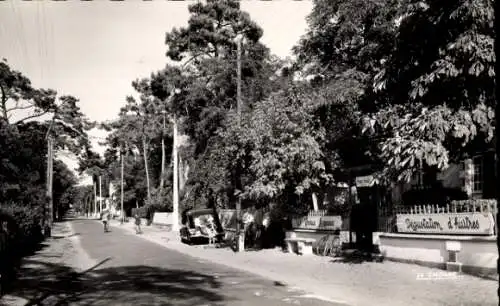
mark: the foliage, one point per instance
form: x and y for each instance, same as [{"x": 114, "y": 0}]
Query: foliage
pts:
[
  {"x": 344, "y": 35},
  {"x": 24, "y": 224},
  {"x": 275, "y": 149},
  {"x": 436, "y": 92},
  {"x": 78, "y": 196},
  {"x": 19, "y": 96},
  {"x": 207, "y": 48},
  {"x": 211, "y": 30},
  {"x": 23, "y": 170},
  {"x": 160, "y": 201}
]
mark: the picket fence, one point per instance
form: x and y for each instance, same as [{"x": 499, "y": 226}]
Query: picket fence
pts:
[{"x": 387, "y": 216}]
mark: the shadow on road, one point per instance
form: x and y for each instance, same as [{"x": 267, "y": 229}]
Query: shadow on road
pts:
[
  {"x": 357, "y": 257},
  {"x": 53, "y": 284}
]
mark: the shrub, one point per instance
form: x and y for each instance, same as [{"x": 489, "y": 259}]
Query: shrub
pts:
[
  {"x": 21, "y": 234},
  {"x": 24, "y": 224}
]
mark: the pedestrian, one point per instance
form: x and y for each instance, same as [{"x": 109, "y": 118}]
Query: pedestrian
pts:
[
  {"x": 137, "y": 224},
  {"x": 105, "y": 220}
]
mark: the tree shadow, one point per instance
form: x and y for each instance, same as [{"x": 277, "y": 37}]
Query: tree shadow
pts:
[
  {"x": 54, "y": 237},
  {"x": 54, "y": 284},
  {"x": 357, "y": 257}
]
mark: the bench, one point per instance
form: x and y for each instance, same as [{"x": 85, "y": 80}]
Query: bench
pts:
[{"x": 304, "y": 245}]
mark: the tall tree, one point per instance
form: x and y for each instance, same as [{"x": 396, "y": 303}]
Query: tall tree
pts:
[
  {"x": 436, "y": 92},
  {"x": 207, "y": 49},
  {"x": 20, "y": 101}
]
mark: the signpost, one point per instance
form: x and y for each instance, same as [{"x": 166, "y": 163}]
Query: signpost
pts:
[{"x": 447, "y": 223}]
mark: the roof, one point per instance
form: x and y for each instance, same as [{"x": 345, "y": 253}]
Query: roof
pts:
[{"x": 198, "y": 212}]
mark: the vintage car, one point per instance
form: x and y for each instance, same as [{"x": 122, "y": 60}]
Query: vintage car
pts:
[{"x": 201, "y": 226}]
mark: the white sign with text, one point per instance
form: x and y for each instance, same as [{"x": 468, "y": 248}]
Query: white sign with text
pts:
[
  {"x": 328, "y": 223},
  {"x": 162, "y": 218},
  {"x": 447, "y": 223}
]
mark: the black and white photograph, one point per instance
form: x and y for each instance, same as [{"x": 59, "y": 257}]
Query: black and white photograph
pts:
[{"x": 249, "y": 152}]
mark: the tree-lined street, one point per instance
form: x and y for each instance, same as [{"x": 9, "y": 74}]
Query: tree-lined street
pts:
[
  {"x": 121, "y": 268},
  {"x": 381, "y": 108},
  {"x": 128, "y": 270}
]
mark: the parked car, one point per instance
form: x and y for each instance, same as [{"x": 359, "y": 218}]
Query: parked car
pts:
[{"x": 201, "y": 226}]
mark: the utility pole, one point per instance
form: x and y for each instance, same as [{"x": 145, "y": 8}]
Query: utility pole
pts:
[
  {"x": 241, "y": 235},
  {"x": 162, "y": 178},
  {"x": 50, "y": 201},
  {"x": 175, "y": 217},
  {"x": 95, "y": 199},
  {"x": 100, "y": 194},
  {"x": 238, "y": 79},
  {"x": 121, "y": 187},
  {"x": 497, "y": 163}
]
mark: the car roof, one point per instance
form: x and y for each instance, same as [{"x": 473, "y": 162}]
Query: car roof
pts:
[{"x": 197, "y": 212}]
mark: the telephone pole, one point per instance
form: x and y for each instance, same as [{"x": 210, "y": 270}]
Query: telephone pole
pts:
[
  {"x": 95, "y": 199},
  {"x": 241, "y": 236},
  {"x": 100, "y": 194},
  {"x": 175, "y": 217},
  {"x": 50, "y": 174},
  {"x": 121, "y": 187}
]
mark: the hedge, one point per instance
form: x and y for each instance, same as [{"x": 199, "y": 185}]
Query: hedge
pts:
[{"x": 20, "y": 233}]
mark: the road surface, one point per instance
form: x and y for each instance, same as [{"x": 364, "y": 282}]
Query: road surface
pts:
[{"x": 133, "y": 271}]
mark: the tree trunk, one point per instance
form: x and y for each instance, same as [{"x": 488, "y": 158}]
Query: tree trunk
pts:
[
  {"x": 145, "y": 153},
  {"x": 162, "y": 175}
]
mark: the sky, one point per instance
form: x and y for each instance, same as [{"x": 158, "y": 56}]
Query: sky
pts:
[{"x": 93, "y": 50}]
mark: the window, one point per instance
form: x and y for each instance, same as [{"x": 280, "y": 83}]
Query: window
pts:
[{"x": 477, "y": 176}]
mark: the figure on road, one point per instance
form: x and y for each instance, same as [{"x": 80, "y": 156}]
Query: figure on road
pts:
[
  {"x": 137, "y": 224},
  {"x": 105, "y": 220}
]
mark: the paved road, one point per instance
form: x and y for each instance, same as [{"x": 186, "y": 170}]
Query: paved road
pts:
[{"x": 134, "y": 271}]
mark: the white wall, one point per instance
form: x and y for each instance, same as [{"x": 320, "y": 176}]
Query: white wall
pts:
[{"x": 478, "y": 255}]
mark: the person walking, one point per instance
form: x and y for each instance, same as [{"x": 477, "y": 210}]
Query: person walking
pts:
[
  {"x": 105, "y": 220},
  {"x": 137, "y": 224}
]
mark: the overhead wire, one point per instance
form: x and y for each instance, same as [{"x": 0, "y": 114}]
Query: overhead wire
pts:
[
  {"x": 21, "y": 36},
  {"x": 39, "y": 40},
  {"x": 49, "y": 39}
]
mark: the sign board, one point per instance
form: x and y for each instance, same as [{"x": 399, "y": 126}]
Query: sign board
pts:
[
  {"x": 163, "y": 218},
  {"x": 446, "y": 223},
  {"x": 365, "y": 181},
  {"x": 327, "y": 223},
  {"x": 227, "y": 218}
]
